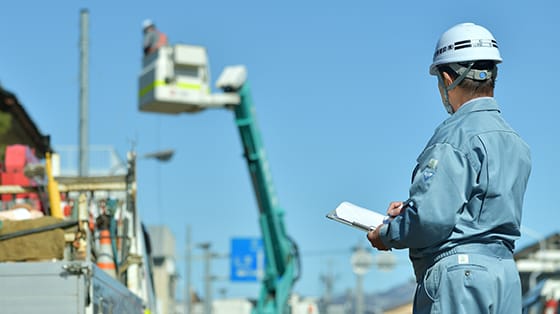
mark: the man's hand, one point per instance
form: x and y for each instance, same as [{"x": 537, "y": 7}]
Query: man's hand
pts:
[
  {"x": 395, "y": 209},
  {"x": 375, "y": 240}
]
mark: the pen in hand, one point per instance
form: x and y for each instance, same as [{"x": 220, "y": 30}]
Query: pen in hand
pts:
[{"x": 390, "y": 216}]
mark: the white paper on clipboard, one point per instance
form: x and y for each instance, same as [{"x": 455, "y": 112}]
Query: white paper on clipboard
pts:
[{"x": 356, "y": 216}]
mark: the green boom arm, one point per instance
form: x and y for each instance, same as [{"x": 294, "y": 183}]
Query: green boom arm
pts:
[{"x": 282, "y": 260}]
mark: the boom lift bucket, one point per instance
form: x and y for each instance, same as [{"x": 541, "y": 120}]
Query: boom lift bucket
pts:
[{"x": 176, "y": 79}]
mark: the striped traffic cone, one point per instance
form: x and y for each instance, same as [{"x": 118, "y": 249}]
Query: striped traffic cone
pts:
[{"x": 105, "y": 259}]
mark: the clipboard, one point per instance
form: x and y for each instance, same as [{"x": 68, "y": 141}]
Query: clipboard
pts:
[{"x": 358, "y": 217}]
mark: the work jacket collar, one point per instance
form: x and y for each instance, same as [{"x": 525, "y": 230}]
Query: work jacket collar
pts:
[{"x": 473, "y": 105}]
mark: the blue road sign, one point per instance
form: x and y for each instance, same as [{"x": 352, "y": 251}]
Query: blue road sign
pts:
[{"x": 247, "y": 259}]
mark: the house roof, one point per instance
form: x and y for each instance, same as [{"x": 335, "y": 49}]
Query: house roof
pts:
[
  {"x": 19, "y": 126},
  {"x": 551, "y": 242}
]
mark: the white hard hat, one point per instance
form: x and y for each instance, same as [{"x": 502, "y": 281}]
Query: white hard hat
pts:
[
  {"x": 147, "y": 23},
  {"x": 465, "y": 42}
]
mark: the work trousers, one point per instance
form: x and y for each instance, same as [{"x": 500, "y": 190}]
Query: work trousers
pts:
[{"x": 471, "y": 282}]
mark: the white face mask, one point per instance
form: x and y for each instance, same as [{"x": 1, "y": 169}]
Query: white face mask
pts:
[
  {"x": 444, "y": 95},
  {"x": 446, "y": 89}
]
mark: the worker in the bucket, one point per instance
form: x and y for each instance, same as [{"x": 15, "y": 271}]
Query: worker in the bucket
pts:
[
  {"x": 463, "y": 214},
  {"x": 153, "y": 38}
]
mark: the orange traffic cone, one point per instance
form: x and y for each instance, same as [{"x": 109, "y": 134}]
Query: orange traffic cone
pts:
[
  {"x": 105, "y": 259},
  {"x": 551, "y": 307}
]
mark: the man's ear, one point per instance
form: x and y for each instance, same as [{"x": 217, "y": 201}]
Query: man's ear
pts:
[{"x": 447, "y": 80}]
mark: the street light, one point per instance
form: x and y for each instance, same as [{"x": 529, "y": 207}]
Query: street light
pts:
[
  {"x": 138, "y": 244},
  {"x": 161, "y": 155}
]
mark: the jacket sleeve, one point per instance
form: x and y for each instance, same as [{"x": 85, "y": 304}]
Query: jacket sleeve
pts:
[{"x": 439, "y": 190}]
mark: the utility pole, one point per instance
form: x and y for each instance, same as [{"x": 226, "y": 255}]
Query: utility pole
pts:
[
  {"x": 207, "y": 277},
  {"x": 328, "y": 280},
  {"x": 84, "y": 93},
  {"x": 188, "y": 263},
  {"x": 361, "y": 263},
  {"x": 359, "y": 294}
]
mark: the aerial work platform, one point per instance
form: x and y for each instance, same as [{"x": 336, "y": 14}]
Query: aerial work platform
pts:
[{"x": 176, "y": 79}]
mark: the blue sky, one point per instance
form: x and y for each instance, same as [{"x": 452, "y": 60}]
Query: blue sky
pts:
[{"x": 343, "y": 98}]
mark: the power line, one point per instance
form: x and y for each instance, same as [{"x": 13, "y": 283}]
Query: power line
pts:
[{"x": 329, "y": 252}]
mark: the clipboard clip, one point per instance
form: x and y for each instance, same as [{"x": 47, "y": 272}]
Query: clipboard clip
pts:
[{"x": 363, "y": 227}]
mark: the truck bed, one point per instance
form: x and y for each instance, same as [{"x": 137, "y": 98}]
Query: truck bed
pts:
[{"x": 63, "y": 287}]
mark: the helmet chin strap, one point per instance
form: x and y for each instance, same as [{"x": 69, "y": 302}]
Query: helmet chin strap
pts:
[{"x": 451, "y": 86}]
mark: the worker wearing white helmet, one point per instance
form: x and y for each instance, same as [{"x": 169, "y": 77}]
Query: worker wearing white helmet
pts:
[
  {"x": 153, "y": 38},
  {"x": 466, "y": 51},
  {"x": 463, "y": 213},
  {"x": 147, "y": 23}
]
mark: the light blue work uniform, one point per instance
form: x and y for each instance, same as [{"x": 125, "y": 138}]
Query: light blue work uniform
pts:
[{"x": 467, "y": 194}]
